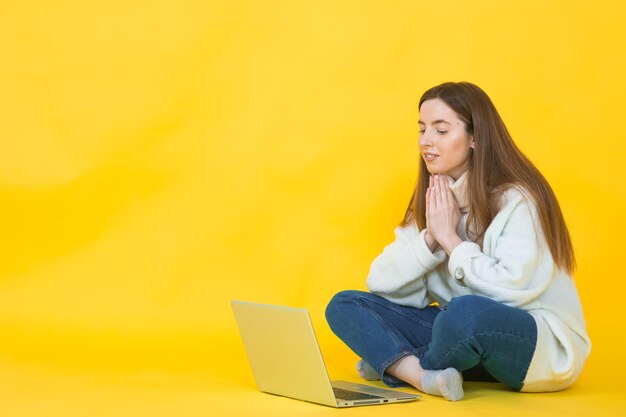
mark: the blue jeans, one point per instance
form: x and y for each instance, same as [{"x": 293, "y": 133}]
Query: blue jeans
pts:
[{"x": 483, "y": 339}]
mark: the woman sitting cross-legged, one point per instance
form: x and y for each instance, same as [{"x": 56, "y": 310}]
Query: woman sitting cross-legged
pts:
[{"x": 477, "y": 284}]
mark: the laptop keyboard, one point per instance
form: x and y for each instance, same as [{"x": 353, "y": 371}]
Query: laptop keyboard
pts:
[{"x": 353, "y": 395}]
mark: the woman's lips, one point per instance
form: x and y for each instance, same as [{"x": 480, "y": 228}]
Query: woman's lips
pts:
[{"x": 430, "y": 157}]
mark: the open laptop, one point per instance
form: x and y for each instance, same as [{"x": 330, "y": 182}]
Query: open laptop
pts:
[{"x": 286, "y": 360}]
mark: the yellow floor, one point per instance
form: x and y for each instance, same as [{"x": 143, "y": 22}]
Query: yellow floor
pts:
[{"x": 155, "y": 384}]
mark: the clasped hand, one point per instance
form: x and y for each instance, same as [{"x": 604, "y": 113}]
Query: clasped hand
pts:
[{"x": 442, "y": 213}]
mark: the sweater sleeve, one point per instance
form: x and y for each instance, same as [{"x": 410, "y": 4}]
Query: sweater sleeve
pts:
[
  {"x": 520, "y": 266},
  {"x": 398, "y": 272}
]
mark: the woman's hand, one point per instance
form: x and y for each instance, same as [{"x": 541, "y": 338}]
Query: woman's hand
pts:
[{"x": 442, "y": 213}]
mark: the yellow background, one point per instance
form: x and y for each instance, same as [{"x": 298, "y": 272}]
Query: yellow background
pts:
[{"x": 160, "y": 158}]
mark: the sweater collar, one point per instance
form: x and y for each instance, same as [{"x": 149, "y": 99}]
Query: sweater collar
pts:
[{"x": 459, "y": 189}]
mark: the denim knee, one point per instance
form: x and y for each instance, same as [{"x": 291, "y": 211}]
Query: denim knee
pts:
[
  {"x": 475, "y": 329},
  {"x": 464, "y": 315},
  {"x": 470, "y": 303},
  {"x": 338, "y": 303}
]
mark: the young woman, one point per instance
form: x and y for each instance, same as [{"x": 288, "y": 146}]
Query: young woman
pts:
[{"x": 478, "y": 281}]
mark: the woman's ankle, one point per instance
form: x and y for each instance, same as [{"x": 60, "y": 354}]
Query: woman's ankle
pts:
[{"x": 409, "y": 370}]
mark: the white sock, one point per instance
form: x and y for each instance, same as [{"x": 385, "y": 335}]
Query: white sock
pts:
[
  {"x": 366, "y": 371},
  {"x": 447, "y": 383}
]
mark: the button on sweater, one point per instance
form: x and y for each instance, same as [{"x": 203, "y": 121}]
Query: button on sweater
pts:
[{"x": 514, "y": 266}]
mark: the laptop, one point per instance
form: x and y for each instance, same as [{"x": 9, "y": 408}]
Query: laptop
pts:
[{"x": 286, "y": 360}]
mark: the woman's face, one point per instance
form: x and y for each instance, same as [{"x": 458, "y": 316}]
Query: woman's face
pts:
[{"x": 443, "y": 141}]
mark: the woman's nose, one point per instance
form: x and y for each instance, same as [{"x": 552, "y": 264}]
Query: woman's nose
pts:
[{"x": 425, "y": 140}]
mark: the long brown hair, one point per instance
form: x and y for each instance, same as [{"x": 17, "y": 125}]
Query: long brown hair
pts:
[{"x": 495, "y": 164}]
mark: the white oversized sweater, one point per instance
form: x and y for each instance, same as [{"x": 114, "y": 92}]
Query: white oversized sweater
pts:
[{"x": 514, "y": 266}]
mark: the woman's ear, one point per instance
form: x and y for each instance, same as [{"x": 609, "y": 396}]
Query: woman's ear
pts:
[{"x": 472, "y": 142}]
